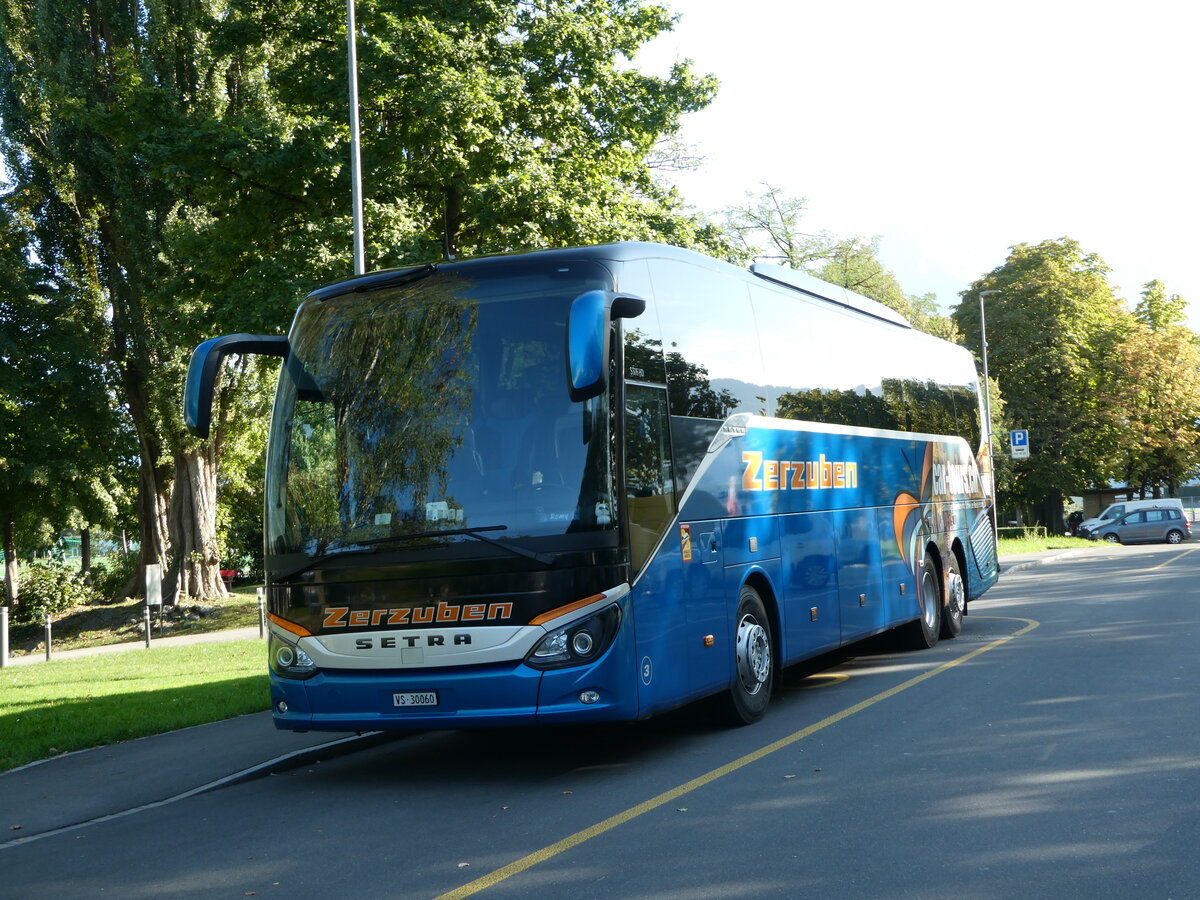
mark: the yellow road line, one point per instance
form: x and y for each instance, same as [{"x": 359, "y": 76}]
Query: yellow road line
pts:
[
  {"x": 580, "y": 837},
  {"x": 812, "y": 682},
  {"x": 1173, "y": 558}
]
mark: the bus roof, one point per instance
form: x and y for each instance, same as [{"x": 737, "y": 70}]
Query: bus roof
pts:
[{"x": 621, "y": 252}]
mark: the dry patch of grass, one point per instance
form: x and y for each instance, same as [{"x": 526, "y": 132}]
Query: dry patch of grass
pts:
[{"x": 116, "y": 623}]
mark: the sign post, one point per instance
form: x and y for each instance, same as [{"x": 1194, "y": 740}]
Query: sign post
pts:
[
  {"x": 153, "y": 594},
  {"x": 1019, "y": 440}
]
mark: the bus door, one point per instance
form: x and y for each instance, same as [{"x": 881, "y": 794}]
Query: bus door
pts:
[
  {"x": 659, "y": 599},
  {"x": 681, "y": 593},
  {"x": 708, "y": 604}
]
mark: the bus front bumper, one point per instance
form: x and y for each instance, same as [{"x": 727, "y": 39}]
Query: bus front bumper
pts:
[{"x": 479, "y": 696}]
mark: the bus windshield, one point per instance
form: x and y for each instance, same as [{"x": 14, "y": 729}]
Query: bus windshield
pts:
[{"x": 437, "y": 407}]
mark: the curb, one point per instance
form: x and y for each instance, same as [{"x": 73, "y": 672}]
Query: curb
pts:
[{"x": 1031, "y": 563}]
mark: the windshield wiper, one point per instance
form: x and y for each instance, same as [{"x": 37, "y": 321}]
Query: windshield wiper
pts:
[
  {"x": 418, "y": 535},
  {"x": 471, "y": 533},
  {"x": 373, "y": 546},
  {"x": 511, "y": 548}
]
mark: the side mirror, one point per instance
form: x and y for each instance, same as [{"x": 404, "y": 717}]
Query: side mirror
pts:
[
  {"x": 588, "y": 338},
  {"x": 206, "y": 362}
]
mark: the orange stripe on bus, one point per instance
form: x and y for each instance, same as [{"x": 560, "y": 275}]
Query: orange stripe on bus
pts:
[
  {"x": 289, "y": 626},
  {"x": 563, "y": 610}
]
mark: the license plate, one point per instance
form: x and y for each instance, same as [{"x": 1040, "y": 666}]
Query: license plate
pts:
[{"x": 415, "y": 698}]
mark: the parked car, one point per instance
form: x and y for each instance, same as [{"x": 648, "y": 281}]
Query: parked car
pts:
[
  {"x": 1145, "y": 526},
  {"x": 1089, "y": 527}
]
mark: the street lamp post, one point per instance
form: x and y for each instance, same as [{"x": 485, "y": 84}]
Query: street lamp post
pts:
[
  {"x": 987, "y": 408},
  {"x": 355, "y": 156},
  {"x": 987, "y": 388}
]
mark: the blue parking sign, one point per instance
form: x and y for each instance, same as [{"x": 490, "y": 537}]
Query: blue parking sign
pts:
[{"x": 1019, "y": 441}]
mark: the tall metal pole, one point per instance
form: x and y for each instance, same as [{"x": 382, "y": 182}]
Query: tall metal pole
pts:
[
  {"x": 355, "y": 156},
  {"x": 987, "y": 387},
  {"x": 987, "y": 411}
]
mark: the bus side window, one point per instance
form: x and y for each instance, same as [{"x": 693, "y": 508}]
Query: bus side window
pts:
[{"x": 649, "y": 484}]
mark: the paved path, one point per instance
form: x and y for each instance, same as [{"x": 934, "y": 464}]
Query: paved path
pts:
[{"x": 207, "y": 637}]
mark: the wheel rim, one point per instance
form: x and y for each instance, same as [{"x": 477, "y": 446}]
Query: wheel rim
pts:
[
  {"x": 1174, "y": 537},
  {"x": 753, "y": 655},
  {"x": 929, "y": 599},
  {"x": 1111, "y": 538},
  {"x": 955, "y": 603}
]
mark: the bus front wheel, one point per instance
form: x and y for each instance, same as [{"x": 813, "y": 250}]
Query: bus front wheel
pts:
[{"x": 754, "y": 664}]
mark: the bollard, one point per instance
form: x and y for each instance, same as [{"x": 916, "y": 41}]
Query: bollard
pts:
[
  {"x": 262, "y": 614},
  {"x": 47, "y": 636},
  {"x": 3, "y": 636}
]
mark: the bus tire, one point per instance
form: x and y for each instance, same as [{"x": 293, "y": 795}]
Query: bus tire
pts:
[
  {"x": 753, "y": 663},
  {"x": 955, "y": 597},
  {"x": 923, "y": 632}
]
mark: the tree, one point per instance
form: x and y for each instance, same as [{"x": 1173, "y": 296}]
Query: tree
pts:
[
  {"x": 1157, "y": 311},
  {"x": 768, "y": 227},
  {"x": 56, "y": 428},
  {"x": 1154, "y": 381},
  {"x": 1051, "y": 330},
  {"x": 854, "y": 264},
  {"x": 191, "y": 160}
]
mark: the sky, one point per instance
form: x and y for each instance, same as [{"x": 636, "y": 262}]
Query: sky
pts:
[{"x": 954, "y": 129}]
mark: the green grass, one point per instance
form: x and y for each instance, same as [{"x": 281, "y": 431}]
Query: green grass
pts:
[
  {"x": 1032, "y": 543},
  {"x": 71, "y": 704}
]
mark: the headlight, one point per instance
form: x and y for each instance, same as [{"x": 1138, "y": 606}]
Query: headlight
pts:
[
  {"x": 576, "y": 644},
  {"x": 289, "y": 660}
]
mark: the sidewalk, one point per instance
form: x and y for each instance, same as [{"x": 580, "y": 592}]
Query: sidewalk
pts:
[
  {"x": 88, "y": 786},
  {"x": 71, "y": 790}
]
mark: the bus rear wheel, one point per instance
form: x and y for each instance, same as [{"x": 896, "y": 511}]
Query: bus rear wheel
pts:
[
  {"x": 754, "y": 664},
  {"x": 923, "y": 633},
  {"x": 956, "y": 598}
]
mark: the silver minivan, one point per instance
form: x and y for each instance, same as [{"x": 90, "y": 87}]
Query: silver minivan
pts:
[
  {"x": 1145, "y": 526},
  {"x": 1114, "y": 511}
]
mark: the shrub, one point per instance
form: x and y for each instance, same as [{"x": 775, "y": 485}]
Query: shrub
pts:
[
  {"x": 111, "y": 573},
  {"x": 47, "y": 589}
]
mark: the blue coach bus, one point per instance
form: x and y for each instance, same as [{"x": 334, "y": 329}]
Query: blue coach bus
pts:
[{"x": 599, "y": 483}]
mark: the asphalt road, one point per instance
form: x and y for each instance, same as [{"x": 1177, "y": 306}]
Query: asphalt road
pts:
[{"x": 1053, "y": 750}]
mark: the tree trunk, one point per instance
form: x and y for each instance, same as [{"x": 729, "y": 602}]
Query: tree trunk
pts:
[
  {"x": 85, "y": 554},
  {"x": 12, "y": 575},
  {"x": 193, "y": 524},
  {"x": 452, "y": 222},
  {"x": 153, "y": 501},
  {"x": 1051, "y": 513}
]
